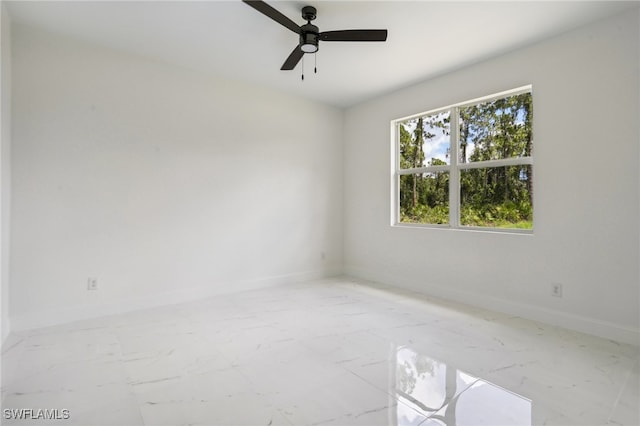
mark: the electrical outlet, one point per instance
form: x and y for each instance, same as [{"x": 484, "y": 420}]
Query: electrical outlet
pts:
[
  {"x": 556, "y": 289},
  {"x": 92, "y": 283}
]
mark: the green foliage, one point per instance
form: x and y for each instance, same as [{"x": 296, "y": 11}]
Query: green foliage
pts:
[
  {"x": 497, "y": 129},
  {"x": 407, "y": 148},
  {"x": 425, "y": 214},
  {"x": 489, "y": 197},
  {"x": 496, "y": 197},
  {"x": 431, "y": 198},
  {"x": 505, "y": 215}
]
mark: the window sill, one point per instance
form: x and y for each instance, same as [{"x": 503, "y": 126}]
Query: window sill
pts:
[{"x": 513, "y": 231}]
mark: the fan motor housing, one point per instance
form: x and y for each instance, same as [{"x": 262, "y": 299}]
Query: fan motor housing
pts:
[{"x": 309, "y": 38}]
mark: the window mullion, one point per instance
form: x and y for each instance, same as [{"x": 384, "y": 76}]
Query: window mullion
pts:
[
  {"x": 427, "y": 169},
  {"x": 515, "y": 161},
  {"x": 454, "y": 174},
  {"x": 395, "y": 176}
]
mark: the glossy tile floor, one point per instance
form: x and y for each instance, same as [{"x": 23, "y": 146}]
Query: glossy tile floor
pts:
[{"x": 325, "y": 352}]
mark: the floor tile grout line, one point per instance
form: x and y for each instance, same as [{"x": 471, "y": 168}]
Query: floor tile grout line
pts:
[{"x": 620, "y": 393}]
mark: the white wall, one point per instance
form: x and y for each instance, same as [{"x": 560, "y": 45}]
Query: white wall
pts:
[
  {"x": 585, "y": 91},
  {"x": 5, "y": 167},
  {"x": 165, "y": 184}
]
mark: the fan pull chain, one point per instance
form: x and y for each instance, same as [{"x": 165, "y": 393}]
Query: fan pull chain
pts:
[
  {"x": 302, "y": 67},
  {"x": 315, "y": 62}
]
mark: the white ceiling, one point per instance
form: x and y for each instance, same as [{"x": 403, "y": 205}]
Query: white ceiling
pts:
[{"x": 228, "y": 38}]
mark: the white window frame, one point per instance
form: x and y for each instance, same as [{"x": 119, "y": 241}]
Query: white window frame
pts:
[{"x": 454, "y": 167}]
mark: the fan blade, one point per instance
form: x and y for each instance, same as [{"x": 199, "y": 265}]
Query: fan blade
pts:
[
  {"x": 274, "y": 14},
  {"x": 354, "y": 35},
  {"x": 293, "y": 59}
]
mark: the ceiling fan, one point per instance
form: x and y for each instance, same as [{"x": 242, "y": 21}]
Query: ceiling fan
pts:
[{"x": 310, "y": 36}]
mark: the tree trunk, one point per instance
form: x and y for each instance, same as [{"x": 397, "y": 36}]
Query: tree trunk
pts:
[
  {"x": 417, "y": 158},
  {"x": 415, "y": 192}
]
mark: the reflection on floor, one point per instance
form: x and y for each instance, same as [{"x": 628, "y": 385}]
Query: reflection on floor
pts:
[
  {"x": 449, "y": 397},
  {"x": 326, "y": 352}
]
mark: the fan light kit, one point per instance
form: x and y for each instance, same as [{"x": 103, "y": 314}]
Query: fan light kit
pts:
[{"x": 310, "y": 35}]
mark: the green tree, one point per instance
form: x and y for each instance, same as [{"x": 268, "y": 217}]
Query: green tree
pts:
[
  {"x": 423, "y": 196},
  {"x": 496, "y": 130}
]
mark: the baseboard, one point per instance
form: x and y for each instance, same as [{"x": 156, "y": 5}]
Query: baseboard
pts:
[
  {"x": 592, "y": 326},
  {"x": 582, "y": 324},
  {"x": 64, "y": 315}
]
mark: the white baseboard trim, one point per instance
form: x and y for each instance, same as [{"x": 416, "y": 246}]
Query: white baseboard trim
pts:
[
  {"x": 64, "y": 315},
  {"x": 592, "y": 326}
]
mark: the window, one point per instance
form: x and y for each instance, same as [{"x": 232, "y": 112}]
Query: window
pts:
[{"x": 466, "y": 166}]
